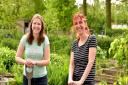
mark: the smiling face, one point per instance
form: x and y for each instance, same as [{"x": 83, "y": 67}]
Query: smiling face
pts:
[
  {"x": 36, "y": 26},
  {"x": 80, "y": 25}
]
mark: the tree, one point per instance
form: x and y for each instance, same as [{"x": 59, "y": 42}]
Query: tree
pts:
[
  {"x": 39, "y": 6},
  {"x": 108, "y": 14},
  {"x": 65, "y": 9},
  {"x": 85, "y": 7}
]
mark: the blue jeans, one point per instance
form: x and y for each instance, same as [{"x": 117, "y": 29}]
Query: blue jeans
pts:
[{"x": 36, "y": 81}]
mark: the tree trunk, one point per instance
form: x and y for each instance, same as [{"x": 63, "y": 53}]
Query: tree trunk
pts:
[
  {"x": 85, "y": 7},
  {"x": 108, "y": 14}
]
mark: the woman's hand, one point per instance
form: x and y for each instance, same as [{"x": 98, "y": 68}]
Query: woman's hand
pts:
[
  {"x": 29, "y": 63},
  {"x": 77, "y": 83},
  {"x": 70, "y": 82}
]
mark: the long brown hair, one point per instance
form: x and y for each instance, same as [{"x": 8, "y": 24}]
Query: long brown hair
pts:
[{"x": 41, "y": 34}]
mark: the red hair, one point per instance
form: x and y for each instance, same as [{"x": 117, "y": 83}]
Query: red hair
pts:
[
  {"x": 82, "y": 18},
  {"x": 79, "y": 15}
]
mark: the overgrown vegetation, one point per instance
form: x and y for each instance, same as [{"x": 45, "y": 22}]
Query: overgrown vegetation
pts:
[{"x": 112, "y": 43}]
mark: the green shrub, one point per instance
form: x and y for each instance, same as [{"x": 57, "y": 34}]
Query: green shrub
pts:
[
  {"x": 117, "y": 32},
  {"x": 10, "y": 38},
  {"x": 10, "y": 33},
  {"x": 58, "y": 70},
  {"x": 60, "y": 44},
  {"x": 2, "y": 69},
  {"x": 10, "y": 43},
  {"x": 96, "y": 18},
  {"x": 103, "y": 83},
  {"x": 119, "y": 51},
  {"x": 101, "y": 53},
  {"x": 122, "y": 81},
  {"x": 7, "y": 57},
  {"x": 17, "y": 71},
  {"x": 104, "y": 42}
]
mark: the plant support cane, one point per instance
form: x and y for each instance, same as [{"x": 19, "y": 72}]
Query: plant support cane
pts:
[{"x": 29, "y": 74}]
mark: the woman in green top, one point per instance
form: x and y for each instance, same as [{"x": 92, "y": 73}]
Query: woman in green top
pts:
[{"x": 36, "y": 47}]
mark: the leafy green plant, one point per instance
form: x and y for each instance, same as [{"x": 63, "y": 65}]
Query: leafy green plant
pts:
[
  {"x": 117, "y": 32},
  {"x": 10, "y": 37},
  {"x": 17, "y": 71},
  {"x": 103, "y": 83},
  {"x": 58, "y": 70},
  {"x": 104, "y": 41},
  {"x": 122, "y": 81},
  {"x": 2, "y": 69},
  {"x": 10, "y": 43},
  {"x": 97, "y": 16},
  {"x": 7, "y": 57},
  {"x": 101, "y": 53},
  {"x": 60, "y": 44},
  {"x": 119, "y": 51}
]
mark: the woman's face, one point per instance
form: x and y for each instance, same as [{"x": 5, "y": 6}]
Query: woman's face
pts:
[
  {"x": 36, "y": 26},
  {"x": 80, "y": 26}
]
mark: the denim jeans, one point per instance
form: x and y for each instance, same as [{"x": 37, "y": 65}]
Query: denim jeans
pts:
[{"x": 36, "y": 81}]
